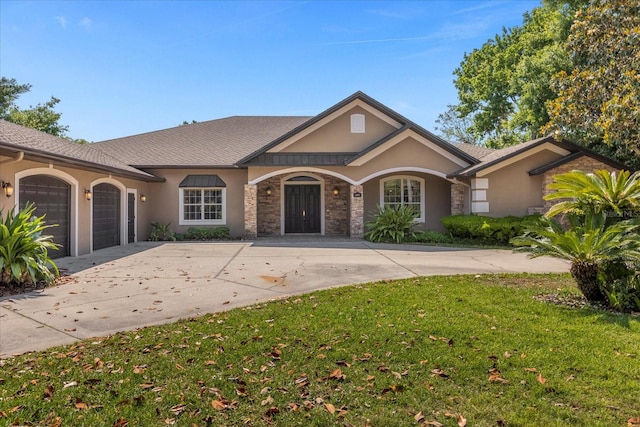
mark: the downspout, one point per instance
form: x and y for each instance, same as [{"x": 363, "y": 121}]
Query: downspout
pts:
[{"x": 13, "y": 159}]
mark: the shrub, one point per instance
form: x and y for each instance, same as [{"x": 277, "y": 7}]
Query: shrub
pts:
[
  {"x": 434, "y": 237},
  {"x": 392, "y": 224},
  {"x": 24, "y": 250},
  {"x": 486, "y": 229},
  {"x": 207, "y": 233},
  {"x": 161, "y": 232}
]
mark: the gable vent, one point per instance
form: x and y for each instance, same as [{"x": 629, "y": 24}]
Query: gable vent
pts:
[{"x": 357, "y": 123}]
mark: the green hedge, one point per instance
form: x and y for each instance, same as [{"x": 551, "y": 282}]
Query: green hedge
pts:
[
  {"x": 486, "y": 229},
  {"x": 207, "y": 233}
]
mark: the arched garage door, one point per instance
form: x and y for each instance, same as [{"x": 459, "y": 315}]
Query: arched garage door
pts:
[
  {"x": 106, "y": 216},
  {"x": 52, "y": 197}
]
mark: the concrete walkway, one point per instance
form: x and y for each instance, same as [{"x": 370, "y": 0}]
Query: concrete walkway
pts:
[{"x": 147, "y": 283}]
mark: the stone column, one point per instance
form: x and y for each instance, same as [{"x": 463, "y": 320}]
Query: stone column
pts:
[
  {"x": 250, "y": 211},
  {"x": 457, "y": 199},
  {"x": 356, "y": 217}
]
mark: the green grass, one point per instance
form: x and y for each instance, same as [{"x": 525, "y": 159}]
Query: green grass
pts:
[{"x": 397, "y": 353}]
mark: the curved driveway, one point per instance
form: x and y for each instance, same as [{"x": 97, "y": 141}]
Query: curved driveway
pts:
[{"x": 147, "y": 283}]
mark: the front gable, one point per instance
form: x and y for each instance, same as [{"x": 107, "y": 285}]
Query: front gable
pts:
[{"x": 352, "y": 133}]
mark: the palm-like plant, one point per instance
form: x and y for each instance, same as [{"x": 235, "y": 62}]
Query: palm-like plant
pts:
[
  {"x": 589, "y": 245},
  {"x": 24, "y": 256},
  {"x": 601, "y": 191}
]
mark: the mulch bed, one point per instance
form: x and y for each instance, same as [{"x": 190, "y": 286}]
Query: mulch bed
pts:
[{"x": 23, "y": 288}]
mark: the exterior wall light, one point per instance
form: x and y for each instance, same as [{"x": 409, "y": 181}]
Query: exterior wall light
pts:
[
  {"x": 87, "y": 194},
  {"x": 143, "y": 198},
  {"x": 336, "y": 191},
  {"x": 269, "y": 191},
  {"x": 8, "y": 189}
]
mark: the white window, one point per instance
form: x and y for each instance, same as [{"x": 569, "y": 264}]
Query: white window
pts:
[
  {"x": 399, "y": 191},
  {"x": 357, "y": 123},
  {"x": 202, "y": 206}
]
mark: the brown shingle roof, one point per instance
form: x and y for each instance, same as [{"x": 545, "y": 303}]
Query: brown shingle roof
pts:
[
  {"x": 40, "y": 145},
  {"x": 477, "y": 151},
  {"x": 220, "y": 142}
]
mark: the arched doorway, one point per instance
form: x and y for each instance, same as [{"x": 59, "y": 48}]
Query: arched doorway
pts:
[
  {"x": 52, "y": 197},
  {"x": 106, "y": 216},
  {"x": 302, "y": 205}
]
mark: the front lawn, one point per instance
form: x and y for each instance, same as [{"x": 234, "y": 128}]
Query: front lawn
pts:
[{"x": 452, "y": 351}]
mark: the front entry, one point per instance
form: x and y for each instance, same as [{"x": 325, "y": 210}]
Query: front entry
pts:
[
  {"x": 302, "y": 208},
  {"x": 106, "y": 216},
  {"x": 131, "y": 217}
]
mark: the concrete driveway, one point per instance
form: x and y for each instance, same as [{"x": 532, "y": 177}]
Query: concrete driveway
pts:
[{"x": 147, "y": 283}]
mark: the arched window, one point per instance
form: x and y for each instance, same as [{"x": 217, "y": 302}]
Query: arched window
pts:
[{"x": 397, "y": 191}]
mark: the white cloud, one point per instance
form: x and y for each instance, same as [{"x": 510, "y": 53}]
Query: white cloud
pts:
[
  {"x": 62, "y": 20},
  {"x": 85, "y": 22}
]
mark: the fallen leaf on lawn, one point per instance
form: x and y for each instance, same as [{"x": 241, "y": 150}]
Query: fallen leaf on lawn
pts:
[
  {"x": 432, "y": 423},
  {"x": 178, "y": 409},
  {"x": 121, "y": 422},
  {"x": 496, "y": 377},
  {"x": 337, "y": 374},
  {"x": 541, "y": 379},
  {"x": 70, "y": 384},
  {"x": 462, "y": 421},
  {"x": 267, "y": 401},
  {"x": 440, "y": 373},
  {"x": 531, "y": 369},
  {"x": 418, "y": 417},
  {"x": 48, "y": 391},
  {"x": 218, "y": 405},
  {"x": 81, "y": 405},
  {"x": 633, "y": 422},
  {"x": 330, "y": 408},
  {"x": 209, "y": 362}
]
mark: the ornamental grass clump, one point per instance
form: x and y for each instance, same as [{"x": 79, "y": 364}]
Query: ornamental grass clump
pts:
[
  {"x": 392, "y": 224},
  {"x": 24, "y": 250}
]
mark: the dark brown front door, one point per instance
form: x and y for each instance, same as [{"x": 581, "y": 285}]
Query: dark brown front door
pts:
[
  {"x": 302, "y": 209},
  {"x": 131, "y": 217},
  {"x": 106, "y": 216},
  {"x": 52, "y": 198}
]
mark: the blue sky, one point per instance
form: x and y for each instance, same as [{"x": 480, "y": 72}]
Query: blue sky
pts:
[{"x": 127, "y": 67}]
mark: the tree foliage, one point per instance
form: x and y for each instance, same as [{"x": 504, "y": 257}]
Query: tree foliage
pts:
[
  {"x": 504, "y": 85},
  {"x": 42, "y": 117},
  {"x": 599, "y": 98}
]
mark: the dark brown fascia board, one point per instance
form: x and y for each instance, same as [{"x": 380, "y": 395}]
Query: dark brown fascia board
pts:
[
  {"x": 38, "y": 155},
  {"x": 472, "y": 170},
  {"x": 420, "y": 131},
  {"x": 556, "y": 163},
  {"x": 379, "y": 106},
  {"x": 579, "y": 152},
  {"x": 146, "y": 167}
]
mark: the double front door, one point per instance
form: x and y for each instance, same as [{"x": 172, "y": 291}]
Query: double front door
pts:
[{"x": 302, "y": 209}]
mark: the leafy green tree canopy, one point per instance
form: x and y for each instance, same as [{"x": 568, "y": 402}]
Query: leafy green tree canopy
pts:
[
  {"x": 599, "y": 98},
  {"x": 42, "y": 117},
  {"x": 504, "y": 85}
]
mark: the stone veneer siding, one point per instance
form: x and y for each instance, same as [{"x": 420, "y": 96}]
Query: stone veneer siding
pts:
[
  {"x": 250, "y": 211},
  {"x": 457, "y": 199},
  {"x": 356, "y": 216},
  {"x": 584, "y": 164},
  {"x": 336, "y": 217},
  {"x": 336, "y": 208},
  {"x": 269, "y": 207}
]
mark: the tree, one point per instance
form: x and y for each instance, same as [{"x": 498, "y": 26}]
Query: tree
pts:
[
  {"x": 41, "y": 117},
  {"x": 599, "y": 98},
  {"x": 453, "y": 127},
  {"x": 503, "y": 86}
]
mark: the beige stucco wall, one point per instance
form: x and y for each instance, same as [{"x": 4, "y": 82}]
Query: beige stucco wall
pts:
[
  {"x": 512, "y": 190},
  {"x": 165, "y": 203},
  {"x": 336, "y": 135},
  {"x": 79, "y": 180}
]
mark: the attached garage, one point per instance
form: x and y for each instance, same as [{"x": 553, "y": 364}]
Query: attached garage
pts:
[
  {"x": 52, "y": 197},
  {"x": 106, "y": 216}
]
